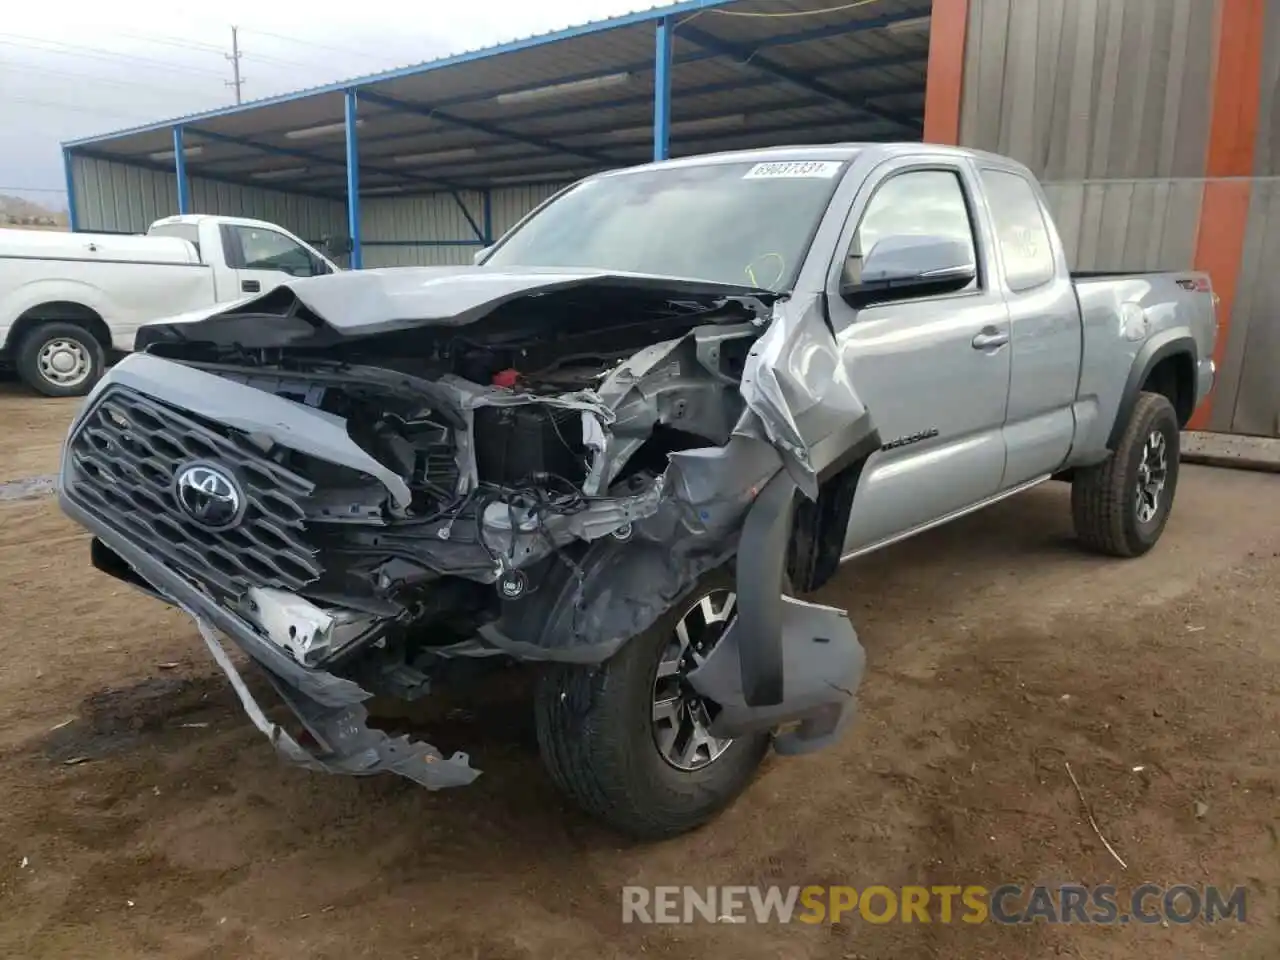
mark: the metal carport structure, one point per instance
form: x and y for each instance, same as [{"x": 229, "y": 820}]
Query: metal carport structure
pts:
[{"x": 465, "y": 144}]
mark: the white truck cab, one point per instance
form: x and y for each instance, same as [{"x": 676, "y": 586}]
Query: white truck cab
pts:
[{"x": 69, "y": 300}]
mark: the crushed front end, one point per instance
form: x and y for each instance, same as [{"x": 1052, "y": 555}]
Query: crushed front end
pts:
[{"x": 361, "y": 502}]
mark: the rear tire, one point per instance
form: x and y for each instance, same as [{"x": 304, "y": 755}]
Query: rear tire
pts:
[
  {"x": 601, "y": 742},
  {"x": 60, "y": 359},
  {"x": 1120, "y": 506}
]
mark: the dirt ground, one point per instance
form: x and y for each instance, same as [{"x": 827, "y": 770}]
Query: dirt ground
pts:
[{"x": 142, "y": 816}]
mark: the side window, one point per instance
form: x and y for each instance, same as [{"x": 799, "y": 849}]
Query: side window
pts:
[
  {"x": 268, "y": 250},
  {"x": 919, "y": 202},
  {"x": 1020, "y": 230}
]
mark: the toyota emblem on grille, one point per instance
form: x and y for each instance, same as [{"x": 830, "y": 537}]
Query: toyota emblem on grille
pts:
[{"x": 209, "y": 496}]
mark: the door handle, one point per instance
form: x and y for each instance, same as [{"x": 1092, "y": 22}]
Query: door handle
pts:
[
  {"x": 989, "y": 339},
  {"x": 250, "y": 286}
]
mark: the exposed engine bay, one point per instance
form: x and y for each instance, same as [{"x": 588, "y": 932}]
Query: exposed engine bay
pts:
[
  {"x": 508, "y": 449},
  {"x": 361, "y": 501}
]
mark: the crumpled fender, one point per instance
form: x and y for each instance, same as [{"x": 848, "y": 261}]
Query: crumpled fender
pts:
[{"x": 795, "y": 380}]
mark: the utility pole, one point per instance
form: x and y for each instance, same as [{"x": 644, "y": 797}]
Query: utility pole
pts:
[{"x": 234, "y": 57}]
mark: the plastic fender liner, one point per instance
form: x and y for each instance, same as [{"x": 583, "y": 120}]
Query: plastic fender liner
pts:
[
  {"x": 821, "y": 663},
  {"x": 762, "y": 558}
]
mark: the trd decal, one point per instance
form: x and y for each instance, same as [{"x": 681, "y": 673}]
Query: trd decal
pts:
[{"x": 909, "y": 439}]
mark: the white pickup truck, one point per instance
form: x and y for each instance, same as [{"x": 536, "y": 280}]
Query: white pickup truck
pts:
[{"x": 68, "y": 301}]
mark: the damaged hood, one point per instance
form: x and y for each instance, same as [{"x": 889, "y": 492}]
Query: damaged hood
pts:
[{"x": 361, "y": 303}]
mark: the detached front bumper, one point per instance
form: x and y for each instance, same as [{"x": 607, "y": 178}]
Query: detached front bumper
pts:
[{"x": 331, "y": 708}]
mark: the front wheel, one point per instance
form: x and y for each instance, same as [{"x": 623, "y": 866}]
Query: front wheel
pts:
[
  {"x": 60, "y": 359},
  {"x": 1120, "y": 506},
  {"x": 628, "y": 740}
]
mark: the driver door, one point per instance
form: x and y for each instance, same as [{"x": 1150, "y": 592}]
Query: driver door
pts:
[
  {"x": 933, "y": 370},
  {"x": 263, "y": 258}
]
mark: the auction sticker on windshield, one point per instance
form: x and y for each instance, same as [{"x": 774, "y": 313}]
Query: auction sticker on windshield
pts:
[{"x": 820, "y": 169}]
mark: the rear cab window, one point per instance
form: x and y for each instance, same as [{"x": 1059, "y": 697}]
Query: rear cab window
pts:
[
  {"x": 1021, "y": 232},
  {"x": 183, "y": 231}
]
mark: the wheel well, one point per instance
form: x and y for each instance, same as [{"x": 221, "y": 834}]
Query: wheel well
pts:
[
  {"x": 818, "y": 529},
  {"x": 1174, "y": 378},
  {"x": 63, "y": 311}
]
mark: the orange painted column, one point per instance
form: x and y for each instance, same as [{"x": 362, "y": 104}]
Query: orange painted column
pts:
[
  {"x": 1233, "y": 128},
  {"x": 944, "y": 84}
]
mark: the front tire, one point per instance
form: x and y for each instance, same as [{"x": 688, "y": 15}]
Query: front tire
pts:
[
  {"x": 60, "y": 359},
  {"x": 1120, "y": 506},
  {"x": 626, "y": 740}
]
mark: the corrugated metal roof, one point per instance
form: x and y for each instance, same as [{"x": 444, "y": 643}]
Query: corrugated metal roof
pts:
[{"x": 745, "y": 72}]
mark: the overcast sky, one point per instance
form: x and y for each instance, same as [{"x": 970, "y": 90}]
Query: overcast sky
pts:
[{"x": 71, "y": 69}]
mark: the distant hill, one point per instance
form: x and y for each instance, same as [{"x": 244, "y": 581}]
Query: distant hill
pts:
[{"x": 16, "y": 212}]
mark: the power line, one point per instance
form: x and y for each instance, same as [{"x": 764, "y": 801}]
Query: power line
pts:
[
  {"x": 149, "y": 84},
  {"x": 318, "y": 46},
  {"x": 168, "y": 41},
  {"x": 62, "y": 105},
  {"x": 97, "y": 53}
]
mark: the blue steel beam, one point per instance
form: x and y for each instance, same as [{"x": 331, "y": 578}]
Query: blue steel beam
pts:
[
  {"x": 792, "y": 78},
  {"x": 808, "y": 100},
  {"x": 662, "y": 89},
  {"x": 409, "y": 178},
  {"x": 526, "y": 43},
  {"x": 464, "y": 242},
  {"x": 353, "y": 177},
  {"x": 426, "y": 110},
  {"x": 180, "y": 169},
  {"x": 645, "y": 99},
  {"x": 694, "y": 56},
  {"x": 198, "y": 172},
  {"x": 453, "y": 168},
  {"x": 723, "y": 86},
  {"x": 68, "y": 164},
  {"x": 488, "y": 217}
]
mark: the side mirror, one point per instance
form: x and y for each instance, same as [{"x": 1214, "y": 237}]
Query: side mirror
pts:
[
  {"x": 480, "y": 255},
  {"x": 336, "y": 246},
  {"x": 910, "y": 265}
]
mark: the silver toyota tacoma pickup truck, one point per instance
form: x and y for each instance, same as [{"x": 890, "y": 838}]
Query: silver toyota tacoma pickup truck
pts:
[{"x": 623, "y": 446}]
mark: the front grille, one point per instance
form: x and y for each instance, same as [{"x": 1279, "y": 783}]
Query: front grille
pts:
[{"x": 125, "y": 457}]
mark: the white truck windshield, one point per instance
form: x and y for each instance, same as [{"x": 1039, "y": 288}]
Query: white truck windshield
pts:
[{"x": 739, "y": 223}]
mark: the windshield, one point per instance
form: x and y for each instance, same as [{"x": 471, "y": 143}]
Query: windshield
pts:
[{"x": 739, "y": 223}]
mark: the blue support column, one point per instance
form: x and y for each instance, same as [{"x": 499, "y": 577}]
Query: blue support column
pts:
[
  {"x": 488, "y": 218},
  {"x": 662, "y": 89},
  {"x": 180, "y": 168},
  {"x": 353, "y": 180},
  {"x": 68, "y": 165}
]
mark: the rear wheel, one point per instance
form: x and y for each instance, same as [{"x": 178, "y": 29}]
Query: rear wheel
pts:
[
  {"x": 1120, "y": 507},
  {"x": 628, "y": 740},
  {"x": 60, "y": 359}
]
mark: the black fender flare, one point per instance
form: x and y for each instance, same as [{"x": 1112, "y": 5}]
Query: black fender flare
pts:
[{"x": 1169, "y": 343}]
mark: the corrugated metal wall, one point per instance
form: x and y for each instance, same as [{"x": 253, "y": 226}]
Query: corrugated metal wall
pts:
[
  {"x": 1107, "y": 101},
  {"x": 432, "y": 230},
  {"x": 1248, "y": 396},
  {"x": 1091, "y": 89},
  {"x": 412, "y": 231},
  {"x": 1127, "y": 224},
  {"x": 117, "y": 197},
  {"x": 512, "y": 203}
]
